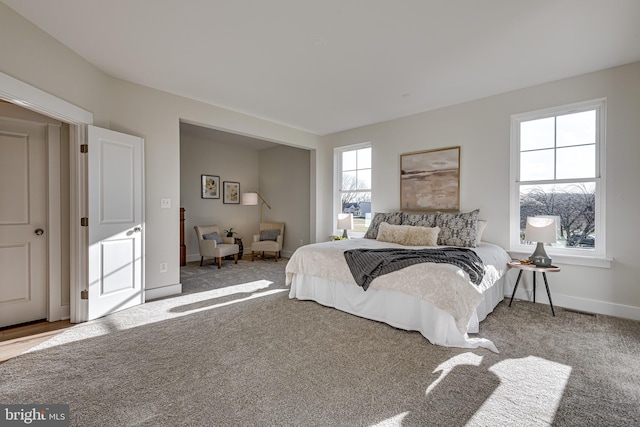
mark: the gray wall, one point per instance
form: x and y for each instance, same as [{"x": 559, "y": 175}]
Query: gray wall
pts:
[
  {"x": 280, "y": 174},
  {"x": 230, "y": 163},
  {"x": 284, "y": 183},
  {"x": 481, "y": 128}
]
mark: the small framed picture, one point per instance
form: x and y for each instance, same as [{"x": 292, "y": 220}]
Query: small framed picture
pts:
[
  {"x": 231, "y": 193},
  {"x": 210, "y": 187}
]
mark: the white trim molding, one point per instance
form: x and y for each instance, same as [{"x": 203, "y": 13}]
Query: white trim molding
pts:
[
  {"x": 161, "y": 292},
  {"x": 25, "y": 95},
  {"x": 585, "y": 261}
]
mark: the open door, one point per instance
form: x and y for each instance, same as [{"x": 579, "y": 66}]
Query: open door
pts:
[{"x": 116, "y": 222}]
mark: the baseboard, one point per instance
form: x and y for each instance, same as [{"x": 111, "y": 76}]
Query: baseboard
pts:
[
  {"x": 161, "y": 292},
  {"x": 578, "y": 304}
]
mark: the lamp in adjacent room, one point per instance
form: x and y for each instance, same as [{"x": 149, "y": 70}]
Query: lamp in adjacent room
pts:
[
  {"x": 345, "y": 222},
  {"x": 540, "y": 230},
  {"x": 251, "y": 198}
]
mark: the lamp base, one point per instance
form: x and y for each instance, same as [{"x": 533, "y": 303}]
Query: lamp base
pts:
[
  {"x": 344, "y": 234},
  {"x": 539, "y": 257}
]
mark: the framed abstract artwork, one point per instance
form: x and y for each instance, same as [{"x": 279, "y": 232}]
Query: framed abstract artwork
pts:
[
  {"x": 231, "y": 192},
  {"x": 430, "y": 180},
  {"x": 210, "y": 187}
]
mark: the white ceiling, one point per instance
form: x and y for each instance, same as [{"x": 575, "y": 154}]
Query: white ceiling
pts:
[{"x": 329, "y": 65}]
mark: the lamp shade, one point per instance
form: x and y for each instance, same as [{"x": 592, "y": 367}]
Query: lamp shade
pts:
[
  {"x": 250, "y": 199},
  {"x": 345, "y": 221},
  {"x": 540, "y": 229}
]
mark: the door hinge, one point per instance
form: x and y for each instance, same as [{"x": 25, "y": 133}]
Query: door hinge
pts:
[
  {"x": 84, "y": 148},
  {"x": 84, "y": 294},
  {"x": 84, "y": 222}
]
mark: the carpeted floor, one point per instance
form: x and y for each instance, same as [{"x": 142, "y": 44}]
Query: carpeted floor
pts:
[{"x": 234, "y": 350}]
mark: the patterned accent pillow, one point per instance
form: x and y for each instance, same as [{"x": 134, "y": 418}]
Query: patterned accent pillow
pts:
[
  {"x": 420, "y": 219},
  {"x": 458, "y": 229},
  {"x": 393, "y": 218}
]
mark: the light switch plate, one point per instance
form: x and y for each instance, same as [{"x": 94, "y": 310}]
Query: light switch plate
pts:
[{"x": 165, "y": 203}]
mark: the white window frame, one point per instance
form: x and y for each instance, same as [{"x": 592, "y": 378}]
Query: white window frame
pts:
[
  {"x": 337, "y": 195},
  {"x": 577, "y": 256}
]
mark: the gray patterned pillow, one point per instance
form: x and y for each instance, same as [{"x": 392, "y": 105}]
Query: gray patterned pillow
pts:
[
  {"x": 458, "y": 229},
  {"x": 213, "y": 236},
  {"x": 393, "y": 218},
  {"x": 269, "y": 235},
  {"x": 419, "y": 219}
]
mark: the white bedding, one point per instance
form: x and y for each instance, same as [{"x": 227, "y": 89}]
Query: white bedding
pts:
[{"x": 439, "y": 300}]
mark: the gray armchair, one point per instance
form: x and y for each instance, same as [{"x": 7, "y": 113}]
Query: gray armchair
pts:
[
  {"x": 211, "y": 248},
  {"x": 269, "y": 240}
]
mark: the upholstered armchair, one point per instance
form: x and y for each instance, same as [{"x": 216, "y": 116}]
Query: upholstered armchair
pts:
[
  {"x": 269, "y": 240},
  {"x": 213, "y": 245}
]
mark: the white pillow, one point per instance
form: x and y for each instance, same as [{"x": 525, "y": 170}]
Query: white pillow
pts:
[
  {"x": 422, "y": 236},
  {"x": 482, "y": 224},
  {"x": 408, "y": 235}
]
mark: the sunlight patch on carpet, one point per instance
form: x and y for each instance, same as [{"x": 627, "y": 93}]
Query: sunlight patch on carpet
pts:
[
  {"x": 161, "y": 310},
  {"x": 395, "y": 421},
  {"x": 529, "y": 392},
  {"x": 209, "y": 304}
]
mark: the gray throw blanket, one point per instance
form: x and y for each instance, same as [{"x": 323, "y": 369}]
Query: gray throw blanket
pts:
[{"x": 367, "y": 264}]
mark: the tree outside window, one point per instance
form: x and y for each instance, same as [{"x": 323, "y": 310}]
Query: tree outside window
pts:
[
  {"x": 573, "y": 204},
  {"x": 557, "y": 173},
  {"x": 355, "y": 186}
]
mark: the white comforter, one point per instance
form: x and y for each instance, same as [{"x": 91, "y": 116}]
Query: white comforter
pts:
[{"x": 444, "y": 285}]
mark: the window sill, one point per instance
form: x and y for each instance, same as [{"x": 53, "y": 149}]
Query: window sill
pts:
[{"x": 569, "y": 259}]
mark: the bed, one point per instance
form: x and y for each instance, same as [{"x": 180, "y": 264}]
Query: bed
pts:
[{"x": 437, "y": 299}]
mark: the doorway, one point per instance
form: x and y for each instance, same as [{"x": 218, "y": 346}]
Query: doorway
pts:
[
  {"x": 34, "y": 283},
  {"x": 35, "y": 100}
]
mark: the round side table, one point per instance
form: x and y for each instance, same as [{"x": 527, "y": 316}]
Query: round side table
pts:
[{"x": 530, "y": 267}]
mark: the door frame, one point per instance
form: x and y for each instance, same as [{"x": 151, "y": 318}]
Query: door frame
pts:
[{"x": 32, "y": 98}]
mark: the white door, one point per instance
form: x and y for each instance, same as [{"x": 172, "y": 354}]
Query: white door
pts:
[
  {"x": 115, "y": 200},
  {"x": 23, "y": 222}
]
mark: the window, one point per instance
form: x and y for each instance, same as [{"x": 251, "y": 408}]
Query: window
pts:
[
  {"x": 558, "y": 170},
  {"x": 353, "y": 193}
]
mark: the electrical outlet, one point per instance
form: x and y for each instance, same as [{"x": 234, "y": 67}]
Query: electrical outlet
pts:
[
  {"x": 301, "y": 242},
  {"x": 163, "y": 267},
  {"x": 165, "y": 203}
]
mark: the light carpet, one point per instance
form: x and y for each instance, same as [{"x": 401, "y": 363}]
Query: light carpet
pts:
[{"x": 234, "y": 350}]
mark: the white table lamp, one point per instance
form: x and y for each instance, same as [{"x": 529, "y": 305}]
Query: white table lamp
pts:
[
  {"x": 540, "y": 230},
  {"x": 345, "y": 222}
]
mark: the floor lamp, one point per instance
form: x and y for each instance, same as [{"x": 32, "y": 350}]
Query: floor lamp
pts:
[{"x": 251, "y": 199}]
